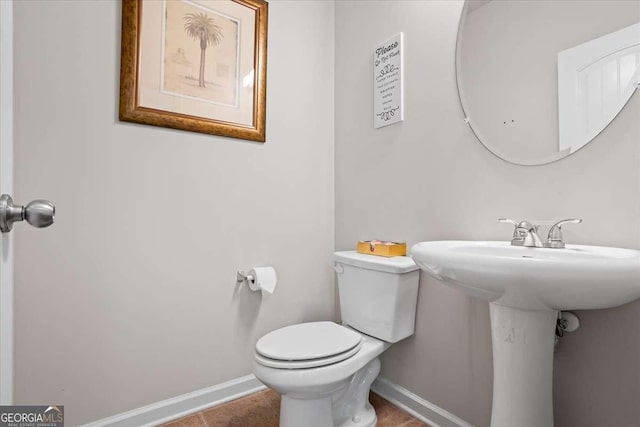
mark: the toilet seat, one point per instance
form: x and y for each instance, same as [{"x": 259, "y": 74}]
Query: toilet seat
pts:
[
  {"x": 307, "y": 345},
  {"x": 304, "y": 364}
]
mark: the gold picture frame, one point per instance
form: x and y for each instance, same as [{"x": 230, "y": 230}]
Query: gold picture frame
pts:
[{"x": 195, "y": 65}]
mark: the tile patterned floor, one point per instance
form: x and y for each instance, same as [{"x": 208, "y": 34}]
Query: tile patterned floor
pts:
[{"x": 263, "y": 410}]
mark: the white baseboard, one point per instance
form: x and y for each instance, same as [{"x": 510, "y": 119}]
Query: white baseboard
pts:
[
  {"x": 186, "y": 404},
  {"x": 180, "y": 406},
  {"x": 415, "y": 405}
]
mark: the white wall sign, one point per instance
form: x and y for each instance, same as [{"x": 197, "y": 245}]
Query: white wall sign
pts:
[{"x": 388, "y": 96}]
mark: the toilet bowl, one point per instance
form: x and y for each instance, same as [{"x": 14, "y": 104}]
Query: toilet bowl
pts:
[
  {"x": 332, "y": 393},
  {"x": 324, "y": 370}
]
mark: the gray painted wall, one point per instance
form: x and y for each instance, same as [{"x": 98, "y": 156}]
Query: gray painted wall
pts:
[
  {"x": 130, "y": 297},
  {"x": 428, "y": 178}
]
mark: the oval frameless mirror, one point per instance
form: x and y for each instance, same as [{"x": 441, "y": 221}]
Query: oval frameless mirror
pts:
[{"x": 538, "y": 80}]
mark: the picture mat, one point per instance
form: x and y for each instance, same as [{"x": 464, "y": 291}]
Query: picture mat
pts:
[{"x": 151, "y": 90}]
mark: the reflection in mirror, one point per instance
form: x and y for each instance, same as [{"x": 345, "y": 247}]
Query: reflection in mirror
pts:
[{"x": 539, "y": 79}]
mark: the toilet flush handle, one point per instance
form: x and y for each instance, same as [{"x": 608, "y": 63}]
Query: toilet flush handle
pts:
[{"x": 338, "y": 268}]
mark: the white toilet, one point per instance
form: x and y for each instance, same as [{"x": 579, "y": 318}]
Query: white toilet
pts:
[{"x": 324, "y": 370}]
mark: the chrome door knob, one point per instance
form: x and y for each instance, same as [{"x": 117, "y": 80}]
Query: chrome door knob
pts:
[{"x": 39, "y": 213}]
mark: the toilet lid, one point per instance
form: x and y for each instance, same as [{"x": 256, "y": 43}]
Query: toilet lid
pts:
[{"x": 308, "y": 341}]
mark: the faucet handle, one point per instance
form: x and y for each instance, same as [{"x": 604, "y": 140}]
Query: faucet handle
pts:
[
  {"x": 509, "y": 221},
  {"x": 555, "y": 238},
  {"x": 524, "y": 224},
  {"x": 516, "y": 234}
]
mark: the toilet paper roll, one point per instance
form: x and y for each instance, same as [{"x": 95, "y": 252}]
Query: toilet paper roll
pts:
[{"x": 264, "y": 279}]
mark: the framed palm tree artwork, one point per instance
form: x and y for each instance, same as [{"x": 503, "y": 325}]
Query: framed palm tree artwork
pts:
[{"x": 195, "y": 65}]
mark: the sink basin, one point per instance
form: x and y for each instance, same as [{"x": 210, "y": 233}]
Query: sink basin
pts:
[
  {"x": 525, "y": 288},
  {"x": 577, "y": 277}
]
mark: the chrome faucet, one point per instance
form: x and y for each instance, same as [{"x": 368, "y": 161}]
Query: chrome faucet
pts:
[{"x": 525, "y": 234}]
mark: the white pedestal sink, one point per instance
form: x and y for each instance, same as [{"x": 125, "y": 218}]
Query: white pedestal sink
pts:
[{"x": 526, "y": 287}]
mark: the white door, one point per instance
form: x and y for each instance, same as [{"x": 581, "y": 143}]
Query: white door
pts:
[
  {"x": 39, "y": 213},
  {"x": 6, "y": 187}
]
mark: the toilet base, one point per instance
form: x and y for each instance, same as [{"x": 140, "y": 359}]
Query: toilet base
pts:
[
  {"x": 367, "y": 418},
  {"x": 314, "y": 412},
  {"x": 354, "y": 409},
  {"x": 347, "y": 408},
  {"x": 317, "y": 413}
]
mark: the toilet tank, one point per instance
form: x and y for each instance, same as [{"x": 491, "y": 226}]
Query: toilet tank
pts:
[{"x": 378, "y": 295}]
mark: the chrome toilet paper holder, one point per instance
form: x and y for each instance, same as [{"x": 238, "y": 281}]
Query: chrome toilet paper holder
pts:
[
  {"x": 241, "y": 277},
  {"x": 261, "y": 279}
]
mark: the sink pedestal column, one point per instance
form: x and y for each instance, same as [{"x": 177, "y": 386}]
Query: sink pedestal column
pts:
[{"x": 523, "y": 343}]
